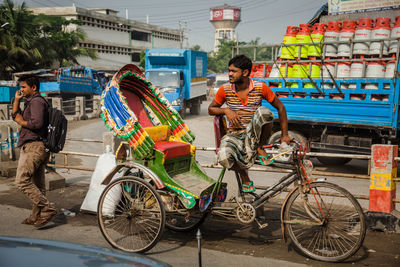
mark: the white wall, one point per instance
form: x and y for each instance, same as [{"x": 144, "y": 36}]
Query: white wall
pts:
[
  {"x": 105, "y": 61},
  {"x": 111, "y": 37}
]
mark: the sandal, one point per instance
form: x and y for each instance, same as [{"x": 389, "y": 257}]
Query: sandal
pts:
[
  {"x": 28, "y": 221},
  {"x": 261, "y": 158},
  {"x": 44, "y": 219},
  {"x": 248, "y": 188}
]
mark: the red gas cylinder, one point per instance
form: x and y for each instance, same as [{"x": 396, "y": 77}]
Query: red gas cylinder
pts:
[
  {"x": 292, "y": 30},
  {"x": 332, "y": 34},
  {"x": 362, "y": 32},
  {"x": 382, "y": 23},
  {"x": 305, "y": 27},
  {"x": 380, "y": 31},
  {"x": 346, "y": 33},
  {"x": 395, "y": 33}
]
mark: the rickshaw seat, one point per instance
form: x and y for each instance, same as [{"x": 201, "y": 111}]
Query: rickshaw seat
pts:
[
  {"x": 172, "y": 149},
  {"x": 159, "y": 134}
]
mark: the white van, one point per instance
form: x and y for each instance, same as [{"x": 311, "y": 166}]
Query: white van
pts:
[{"x": 220, "y": 79}]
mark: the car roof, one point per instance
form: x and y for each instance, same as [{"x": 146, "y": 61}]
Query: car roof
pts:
[{"x": 18, "y": 251}]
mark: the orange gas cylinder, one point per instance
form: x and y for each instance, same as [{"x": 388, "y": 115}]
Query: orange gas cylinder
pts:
[
  {"x": 332, "y": 34},
  {"x": 346, "y": 33},
  {"x": 317, "y": 36},
  {"x": 289, "y": 52},
  {"x": 380, "y": 31},
  {"x": 363, "y": 31}
]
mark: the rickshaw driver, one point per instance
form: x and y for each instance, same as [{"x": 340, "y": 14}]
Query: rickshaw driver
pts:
[{"x": 250, "y": 124}]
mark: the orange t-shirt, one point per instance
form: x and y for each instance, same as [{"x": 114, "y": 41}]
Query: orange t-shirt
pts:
[{"x": 257, "y": 92}]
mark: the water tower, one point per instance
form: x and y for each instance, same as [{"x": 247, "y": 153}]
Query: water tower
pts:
[{"x": 225, "y": 19}]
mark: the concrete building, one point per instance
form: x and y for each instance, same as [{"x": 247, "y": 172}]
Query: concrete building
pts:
[{"x": 116, "y": 40}]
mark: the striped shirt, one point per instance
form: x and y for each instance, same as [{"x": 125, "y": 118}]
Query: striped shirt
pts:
[{"x": 257, "y": 92}]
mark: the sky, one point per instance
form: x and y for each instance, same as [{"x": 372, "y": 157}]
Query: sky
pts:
[{"x": 264, "y": 19}]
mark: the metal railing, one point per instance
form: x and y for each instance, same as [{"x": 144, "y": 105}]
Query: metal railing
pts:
[{"x": 254, "y": 168}]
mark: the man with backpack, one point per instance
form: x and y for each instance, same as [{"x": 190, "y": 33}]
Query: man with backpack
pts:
[{"x": 30, "y": 177}]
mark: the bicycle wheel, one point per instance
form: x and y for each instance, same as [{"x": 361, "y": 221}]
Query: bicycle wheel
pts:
[
  {"x": 179, "y": 219},
  {"x": 341, "y": 230},
  {"x": 131, "y": 214}
]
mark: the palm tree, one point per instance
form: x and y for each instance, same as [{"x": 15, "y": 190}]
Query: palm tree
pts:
[{"x": 16, "y": 50}]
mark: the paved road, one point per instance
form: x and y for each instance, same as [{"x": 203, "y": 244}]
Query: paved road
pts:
[{"x": 225, "y": 243}]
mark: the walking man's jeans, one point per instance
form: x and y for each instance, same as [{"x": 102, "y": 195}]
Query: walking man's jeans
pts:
[{"x": 30, "y": 177}]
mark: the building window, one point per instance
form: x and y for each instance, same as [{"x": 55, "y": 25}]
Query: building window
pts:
[
  {"x": 140, "y": 36},
  {"x": 228, "y": 34},
  {"x": 135, "y": 57},
  {"x": 221, "y": 34}
]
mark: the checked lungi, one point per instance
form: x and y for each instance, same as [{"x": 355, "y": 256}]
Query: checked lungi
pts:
[{"x": 241, "y": 148}]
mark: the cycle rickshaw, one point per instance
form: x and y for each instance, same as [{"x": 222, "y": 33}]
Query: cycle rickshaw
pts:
[{"x": 158, "y": 182}]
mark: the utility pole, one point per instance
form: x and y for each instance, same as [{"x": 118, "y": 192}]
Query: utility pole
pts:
[
  {"x": 186, "y": 36},
  {"x": 180, "y": 35}
]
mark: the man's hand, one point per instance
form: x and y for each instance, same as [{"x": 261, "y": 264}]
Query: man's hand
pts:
[
  {"x": 286, "y": 139},
  {"x": 232, "y": 116},
  {"x": 18, "y": 95}
]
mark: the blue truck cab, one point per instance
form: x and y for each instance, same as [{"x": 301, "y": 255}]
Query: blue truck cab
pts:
[{"x": 180, "y": 74}]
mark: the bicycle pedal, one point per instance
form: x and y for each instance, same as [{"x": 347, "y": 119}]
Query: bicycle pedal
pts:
[{"x": 261, "y": 226}]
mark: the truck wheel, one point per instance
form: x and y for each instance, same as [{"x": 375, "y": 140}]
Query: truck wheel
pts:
[
  {"x": 195, "y": 108},
  {"x": 333, "y": 161},
  {"x": 275, "y": 137},
  {"x": 183, "y": 111}
]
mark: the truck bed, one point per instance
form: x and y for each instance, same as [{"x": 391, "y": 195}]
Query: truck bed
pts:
[{"x": 367, "y": 112}]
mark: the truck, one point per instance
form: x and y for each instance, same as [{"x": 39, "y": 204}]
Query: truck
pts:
[
  {"x": 68, "y": 82},
  {"x": 180, "y": 74},
  {"x": 345, "y": 115}
]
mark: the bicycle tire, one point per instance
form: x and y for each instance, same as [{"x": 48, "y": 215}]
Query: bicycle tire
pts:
[
  {"x": 131, "y": 214},
  {"x": 341, "y": 233}
]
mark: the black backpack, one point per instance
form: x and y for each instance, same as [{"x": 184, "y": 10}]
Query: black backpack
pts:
[{"x": 56, "y": 130}]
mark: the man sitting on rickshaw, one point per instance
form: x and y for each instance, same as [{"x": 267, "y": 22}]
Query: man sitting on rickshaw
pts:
[{"x": 250, "y": 124}]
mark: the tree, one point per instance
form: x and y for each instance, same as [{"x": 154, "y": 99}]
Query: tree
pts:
[
  {"x": 142, "y": 62},
  {"x": 30, "y": 42},
  {"x": 196, "y": 48},
  {"x": 62, "y": 40},
  {"x": 218, "y": 62},
  {"x": 17, "y": 52}
]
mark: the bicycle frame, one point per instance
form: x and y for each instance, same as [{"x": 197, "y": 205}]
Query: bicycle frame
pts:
[{"x": 272, "y": 190}]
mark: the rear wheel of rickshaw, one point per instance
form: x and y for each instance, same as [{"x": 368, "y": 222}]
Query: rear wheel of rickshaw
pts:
[
  {"x": 186, "y": 221},
  {"x": 131, "y": 214},
  {"x": 179, "y": 219}
]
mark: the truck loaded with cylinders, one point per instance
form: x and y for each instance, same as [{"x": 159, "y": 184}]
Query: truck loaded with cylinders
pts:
[
  {"x": 180, "y": 74},
  {"x": 338, "y": 78}
]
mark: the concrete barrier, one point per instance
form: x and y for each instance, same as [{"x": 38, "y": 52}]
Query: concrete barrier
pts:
[
  {"x": 8, "y": 140},
  {"x": 383, "y": 171}
]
